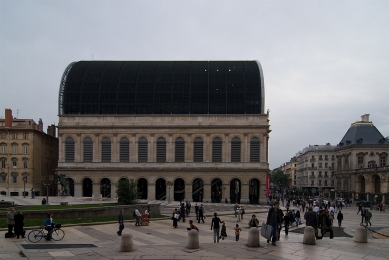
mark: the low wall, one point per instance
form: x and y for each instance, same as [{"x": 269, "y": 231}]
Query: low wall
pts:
[{"x": 69, "y": 212}]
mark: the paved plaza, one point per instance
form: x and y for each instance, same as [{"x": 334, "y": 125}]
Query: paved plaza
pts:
[{"x": 160, "y": 240}]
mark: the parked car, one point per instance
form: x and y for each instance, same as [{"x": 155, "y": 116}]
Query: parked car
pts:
[{"x": 363, "y": 203}]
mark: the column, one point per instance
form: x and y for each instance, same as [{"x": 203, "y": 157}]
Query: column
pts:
[
  {"x": 170, "y": 146},
  {"x": 226, "y": 149},
  {"x": 262, "y": 192},
  {"x": 207, "y": 193},
  {"x": 244, "y": 193},
  {"x": 115, "y": 150},
  {"x": 152, "y": 149},
  {"x": 133, "y": 148},
  {"x": 151, "y": 191},
  {"x": 96, "y": 192},
  {"x": 77, "y": 190},
  {"x": 226, "y": 192},
  {"x": 245, "y": 149},
  {"x": 78, "y": 148},
  {"x": 207, "y": 149},
  {"x": 189, "y": 149},
  {"x": 188, "y": 191},
  {"x": 96, "y": 148}
]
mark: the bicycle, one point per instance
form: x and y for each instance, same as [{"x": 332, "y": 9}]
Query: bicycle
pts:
[{"x": 36, "y": 235}]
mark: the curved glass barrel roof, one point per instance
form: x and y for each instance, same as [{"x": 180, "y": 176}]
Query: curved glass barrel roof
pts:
[{"x": 161, "y": 87}]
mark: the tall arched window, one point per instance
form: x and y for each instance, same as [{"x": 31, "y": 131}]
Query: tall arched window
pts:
[
  {"x": 198, "y": 149},
  {"x": 254, "y": 149},
  {"x": 161, "y": 149},
  {"x": 235, "y": 149},
  {"x": 69, "y": 149},
  {"x": 106, "y": 149},
  {"x": 124, "y": 149},
  {"x": 88, "y": 150},
  {"x": 142, "y": 150},
  {"x": 216, "y": 149},
  {"x": 179, "y": 153}
]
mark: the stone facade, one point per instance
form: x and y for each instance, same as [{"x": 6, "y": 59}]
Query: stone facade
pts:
[
  {"x": 315, "y": 170},
  {"x": 163, "y": 178},
  {"x": 27, "y": 157}
]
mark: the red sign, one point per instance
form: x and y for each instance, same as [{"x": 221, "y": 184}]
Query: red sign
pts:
[{"x": 268, "y": 185}]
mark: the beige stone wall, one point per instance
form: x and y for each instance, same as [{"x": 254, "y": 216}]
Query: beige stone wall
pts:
[{"x": 225, "y": 127}]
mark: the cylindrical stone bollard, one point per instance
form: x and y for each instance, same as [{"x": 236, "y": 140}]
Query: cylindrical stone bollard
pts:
[
  {"x": 253, "y": 237},
  {"x": 309, "y": 236},
  {"x": 360, "y": 235},
  {"x": 193, "y": 239},
  {"x": 126, "y": 244}
]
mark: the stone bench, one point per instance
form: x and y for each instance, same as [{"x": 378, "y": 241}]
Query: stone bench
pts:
[
  {"x": 253, "y": 237},
  {"x": 309, "y": 236},
  {"x": 126, "y": 243},
  {"x": 360, "y": 235},
  {"x": 193, "y": 239}
]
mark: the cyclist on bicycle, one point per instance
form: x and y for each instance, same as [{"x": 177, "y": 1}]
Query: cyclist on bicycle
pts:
[{"x": 49, "y": 225}]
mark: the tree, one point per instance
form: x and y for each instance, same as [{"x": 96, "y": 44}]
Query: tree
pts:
[
  {"x": 279, "y": 177},
  {"x": 126, "y": 191}
]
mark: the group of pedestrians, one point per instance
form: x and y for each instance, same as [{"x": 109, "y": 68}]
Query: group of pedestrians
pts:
[
  {"x": 15, "y": 224},
  {"x": 365, "y": 214},
  {"x": 239, "y": 212},
  {"x": 320, "y": 221}
]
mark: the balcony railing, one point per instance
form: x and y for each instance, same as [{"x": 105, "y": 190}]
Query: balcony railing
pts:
[
  {"x": 312, "y": 160},
  {"x": 312, "y": 168}
]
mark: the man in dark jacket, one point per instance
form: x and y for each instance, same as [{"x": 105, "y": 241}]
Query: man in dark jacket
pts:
[
  {"x": 182, "y": 212},
  {"x": 311, "y": 219},
  {"x": 339, "y": 217},
  {"x": 216, "y": 227},
  {"x": 274, "y": 219}
]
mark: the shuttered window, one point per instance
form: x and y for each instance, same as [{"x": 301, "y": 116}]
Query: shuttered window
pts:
[
  {"x": 69, "y": 150},
  {"x": 142, "y": 150},
  {"x": 161, "y": 149},
  {"x": 235, "y": 149},
  {"x": 198, "y": 150},
  {"x": 254, "y": 149},
  {"x": 106, "y": 150},
  {"x": 88, "y": 150},
  {"x": 216, "y": 149},
  {"x": 124, "y": 149},
  {"x": 179, "y": 153}
]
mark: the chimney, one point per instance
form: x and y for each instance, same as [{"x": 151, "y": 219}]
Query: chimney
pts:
[
  {"x": 8, "y": 117},
  {"x": 365, "y": 118}
]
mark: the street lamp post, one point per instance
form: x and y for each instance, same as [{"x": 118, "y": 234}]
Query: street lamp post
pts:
[
  {"x": 169, "y": 186},
  {"x": 49, "y": 180},
  {"x": 24, "y": 186}
]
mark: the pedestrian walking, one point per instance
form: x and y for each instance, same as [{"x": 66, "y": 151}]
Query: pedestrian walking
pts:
[
  {"x": 121, "y": 222},
  {"x": 363, "y": 213},
  {"x": 286, "y": 223},
  {"x": 201, "y": 213},
  {"x": 339, "y": 217},
  {"x": 215, "y": 225},
  {"x": 237, "y": 232},
  {"x": 197, "y": 211},
  {"x": 368, "y": 216},
  {"x": 175, "y": 217},
  {"x": 223, "y": 232},
  {"x": 137, "y": 216},
  {"x": 274, "y": 219},
  {"x": 236, "y": 208}
]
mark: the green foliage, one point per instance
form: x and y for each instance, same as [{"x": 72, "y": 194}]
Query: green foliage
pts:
[
  {"x": 279, "y": 177},
  {"x": 126, "y": 191}
]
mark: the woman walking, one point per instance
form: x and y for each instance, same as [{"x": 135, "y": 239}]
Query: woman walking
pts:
[{"x": 175, "y": 216}]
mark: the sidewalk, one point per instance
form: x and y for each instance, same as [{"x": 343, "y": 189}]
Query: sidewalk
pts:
[{"x": 160, "y": 240}]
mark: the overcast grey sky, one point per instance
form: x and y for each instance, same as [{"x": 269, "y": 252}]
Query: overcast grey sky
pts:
[{"x": 325, "y": 63}]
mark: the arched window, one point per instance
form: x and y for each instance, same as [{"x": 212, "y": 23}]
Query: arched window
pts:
[
  {"x": 106, "y": 149},
  {"x": 198, "y": 147},
  {"x": 179, "y": 153},
  {"x": 88, "y": 149},
  {"x": 161, "y": 149},
  {"x": 216, "y": 149},
  {"x": 69, "y": 149},
  {"x": 142, "y": 150},
  {"x": 124, "y": 149},
  {"x": 235, "y": 149},
  {"x": 254, "y": 149}
]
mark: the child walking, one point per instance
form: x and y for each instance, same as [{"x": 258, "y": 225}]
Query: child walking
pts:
[
  {"x": 237, "y": 232},
  {"x": 223, "y": 233}
]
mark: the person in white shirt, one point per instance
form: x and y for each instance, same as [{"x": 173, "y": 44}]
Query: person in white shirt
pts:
[{"x": 137, "y": 216}]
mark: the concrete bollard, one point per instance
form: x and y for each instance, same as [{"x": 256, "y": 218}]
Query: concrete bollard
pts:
[
  {"x": 193, "y": 239},
  {"x": 253, "y": 237},
  {"x": 360, "y": 235},
  {"x": 309, "y": 236},
  {"x": 126, "y": 244}
]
